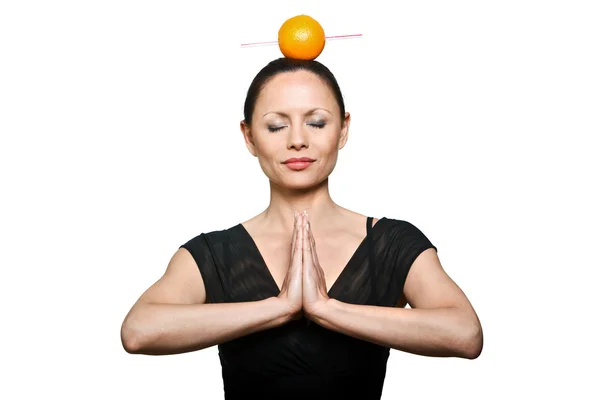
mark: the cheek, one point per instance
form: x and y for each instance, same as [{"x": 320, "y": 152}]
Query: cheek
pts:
[
  {"x": 329, "y": 141},
  {"x": 267, "y": 148},
  {"x": 269, "y": 153},
  {"x": 327, "y": 151}
]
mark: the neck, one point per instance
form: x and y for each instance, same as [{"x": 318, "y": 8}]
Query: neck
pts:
[{"x": 317, "y": 201}]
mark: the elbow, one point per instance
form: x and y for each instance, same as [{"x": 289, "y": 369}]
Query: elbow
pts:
[
  {"x": 472, "y": 343},
  {"x": 131, "y": 338}
]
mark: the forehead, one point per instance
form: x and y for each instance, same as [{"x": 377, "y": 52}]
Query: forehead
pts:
[{"x": 296, "y": 90}]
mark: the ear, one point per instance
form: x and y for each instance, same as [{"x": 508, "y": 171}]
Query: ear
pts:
[
  {"x": 248, "y": 137},
  {"x": 344, "y": 131}
]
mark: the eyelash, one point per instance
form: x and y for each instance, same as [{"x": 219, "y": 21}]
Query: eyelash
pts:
[{"x": 278, "y": 128}]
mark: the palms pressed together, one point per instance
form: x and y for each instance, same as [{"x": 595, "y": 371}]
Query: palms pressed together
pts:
[{"x": 304, "y": 287}]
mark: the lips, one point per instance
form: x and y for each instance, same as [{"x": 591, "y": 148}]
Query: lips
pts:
[
  {"x": 296, "y": 160},
  {"x": 298, "y": 164}
]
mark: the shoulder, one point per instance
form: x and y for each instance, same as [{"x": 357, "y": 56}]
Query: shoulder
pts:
[
  {"x": 212, "y": 237},
  {"x": 397, "y": 226},
  {"x": 402, "y": 233}
]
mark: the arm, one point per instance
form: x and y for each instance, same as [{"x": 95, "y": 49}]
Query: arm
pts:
[
  {"x": 441, "y": 322},
  {"x": 171, "y": 317}
]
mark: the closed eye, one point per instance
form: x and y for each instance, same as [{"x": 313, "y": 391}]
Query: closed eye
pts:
[
  {"x": 320, "y": 125},
  {"x": 275, "y": 128}
]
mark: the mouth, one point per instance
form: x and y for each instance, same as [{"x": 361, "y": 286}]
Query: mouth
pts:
[{"x": 298, "y": 164}]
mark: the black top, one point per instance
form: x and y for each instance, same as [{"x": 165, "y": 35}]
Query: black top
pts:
[{"x": 300, "y": 359}]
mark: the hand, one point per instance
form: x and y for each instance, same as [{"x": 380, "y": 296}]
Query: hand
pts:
[
  {"x": 314, "y": 287},
  {"x": 291, "y": 289}
]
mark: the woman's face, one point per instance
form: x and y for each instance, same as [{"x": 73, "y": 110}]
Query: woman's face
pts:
[{"x": 296, "y": 116}]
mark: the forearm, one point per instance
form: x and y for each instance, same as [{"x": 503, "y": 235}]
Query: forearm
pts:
[
  {"x": 443, "y": 332},
  {"x": 159, "y": 329}
]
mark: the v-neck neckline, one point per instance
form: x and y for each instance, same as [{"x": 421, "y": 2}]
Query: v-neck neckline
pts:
[{"x": 363, "y": 243}]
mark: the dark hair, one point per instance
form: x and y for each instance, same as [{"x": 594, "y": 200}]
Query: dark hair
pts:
[{"x": 285, "y": 64}]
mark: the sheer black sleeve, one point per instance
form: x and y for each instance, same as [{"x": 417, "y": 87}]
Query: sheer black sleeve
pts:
[
  {"x": 398, "y": 251},
  {"x": 200, "y": 250}
]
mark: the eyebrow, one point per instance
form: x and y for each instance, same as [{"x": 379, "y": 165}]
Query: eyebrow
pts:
[{"x": 305, "y": 114}]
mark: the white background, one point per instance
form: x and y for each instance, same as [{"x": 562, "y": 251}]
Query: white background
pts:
[{"x": 476, "y": 121}]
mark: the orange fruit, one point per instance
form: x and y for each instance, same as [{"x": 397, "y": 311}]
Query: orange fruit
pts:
[{"x": 301, "y": 37}]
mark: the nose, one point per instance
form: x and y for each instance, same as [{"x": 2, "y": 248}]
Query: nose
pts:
[{"x": 297, "y": 137}]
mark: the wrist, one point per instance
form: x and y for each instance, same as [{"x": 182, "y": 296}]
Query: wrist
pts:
[
  {"x": 322, "y": 310},
  {"x": 285, "y": 311}
]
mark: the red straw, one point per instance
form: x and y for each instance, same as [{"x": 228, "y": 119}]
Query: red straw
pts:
[{"x": 327, "y": 37}]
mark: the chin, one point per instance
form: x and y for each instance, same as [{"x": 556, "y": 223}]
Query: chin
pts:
[
  {"x": 298, "y": 183},
  {"x": 295, "y": 180}
]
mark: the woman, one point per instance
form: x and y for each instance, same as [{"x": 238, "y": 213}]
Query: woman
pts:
[{"x": 306, "y": 298}]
